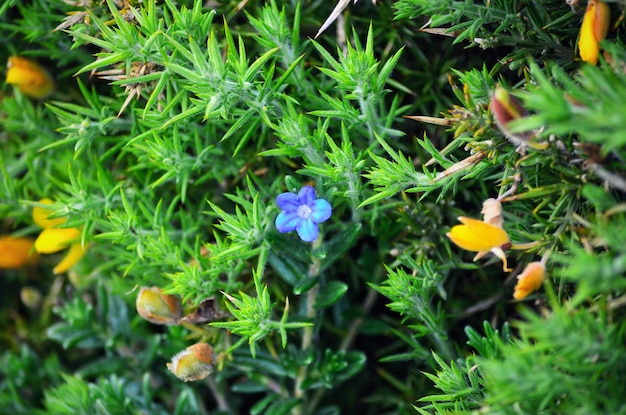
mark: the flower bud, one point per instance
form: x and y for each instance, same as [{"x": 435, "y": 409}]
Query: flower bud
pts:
[
  {"x": 593, "y": 30},
  {"x": 193, "y": 363},
  {"x": 529, "y": 280},
  {"x": 158, "y": 308},
  {"x": 507, "y": 108},
  {"x": 31, "y": 297}
]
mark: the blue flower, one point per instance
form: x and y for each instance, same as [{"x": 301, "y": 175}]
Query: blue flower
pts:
[{"x": 302, "y": 213}]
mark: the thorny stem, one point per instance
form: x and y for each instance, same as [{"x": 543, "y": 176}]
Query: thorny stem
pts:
[
  {"x": 354, "y": 199},
  {"x": 517, "y": 179},
  {"x": 363, "y": 105},
  {"x": 611, "y": 179},
  {"x": 437, "y": 333},
  {"x": 307, "y": 333},
  {"x": 274, "y": 386},
  {"x": 524, "y": 246},
  {"x": 370, "y": 298}
]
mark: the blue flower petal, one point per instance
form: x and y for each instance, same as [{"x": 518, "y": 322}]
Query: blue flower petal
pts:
[
  {"x": 287, "y": 221},
  {"x": 307, "y": 230},
  {"x": 288, "y": 201},
  {"x": 321, "y": 210},
  {"x": 306, "y": 196}
]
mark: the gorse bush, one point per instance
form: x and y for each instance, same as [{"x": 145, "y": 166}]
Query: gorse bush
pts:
[{"x": 208, "y": 209}]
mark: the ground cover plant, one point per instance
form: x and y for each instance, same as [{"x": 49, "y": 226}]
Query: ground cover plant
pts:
[{"x": 313, "y": 207}]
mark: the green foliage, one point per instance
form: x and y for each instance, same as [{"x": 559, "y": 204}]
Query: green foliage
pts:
[
  {"x": 413, "y": 296},
  {"x": 174, "y": 126},
  {"x": 588, "y": 365},
  {"x": 252, "y": 316}
]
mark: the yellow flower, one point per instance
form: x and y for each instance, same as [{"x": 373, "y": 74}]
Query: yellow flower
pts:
[
  {"x": 478, "y": 236},
  {"x": 29, "y": 77},
  {"x": 593, "y": 30},
  {"x": 158, "y": 308},
  {"x": 16, "y": 252},
  {"x": 54, "y": 239},
  {"x": 529, "y": 280},
  {"x": 193, "y": 363}
]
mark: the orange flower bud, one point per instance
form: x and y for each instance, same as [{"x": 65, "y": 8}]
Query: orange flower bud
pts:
[
  {"x": 193, "y": 363},
  {"x": 529, "y": 280},
  {"x": 593, "y": 30},
  {"x": 158, "y": 308},
  {"x": 16, "y": 252},
  {"x": 29, "y": 77}
]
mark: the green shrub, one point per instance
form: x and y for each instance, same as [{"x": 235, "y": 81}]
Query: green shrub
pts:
[{"x": 174, "y": 127}]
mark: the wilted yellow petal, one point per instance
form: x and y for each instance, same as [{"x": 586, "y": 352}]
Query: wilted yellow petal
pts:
[
  {"x": 55, "y": 239},
  {"x": 593, "y": 30},
  {"x": 476, "y": 235},
  {"x": 75, "y": 253},
  {"x": 529, "y": 280},
  {"x": 40, "y": 216},
  {"x": 29, "y": 77},
  {"x": 16, "y": 252},
  {"x": 158, "y": 308}
]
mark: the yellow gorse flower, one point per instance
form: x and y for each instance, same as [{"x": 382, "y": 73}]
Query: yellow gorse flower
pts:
[
  {"x": 54, "y": 239},
  {"x": 16, "y": 252},
  {"x": 529, "y": 280},
  {"x": 478, "y": 236},
  {"x": 29, "y": 77},
  {"x": 593, "y": 30}
]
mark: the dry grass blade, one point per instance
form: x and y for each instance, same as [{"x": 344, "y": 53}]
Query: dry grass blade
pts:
[{"x": 340, "y": 7}]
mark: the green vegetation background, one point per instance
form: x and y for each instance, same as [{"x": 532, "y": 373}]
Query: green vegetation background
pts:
[{"x": 383, "y": 315}]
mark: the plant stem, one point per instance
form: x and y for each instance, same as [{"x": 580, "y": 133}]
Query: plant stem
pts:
[
  {"x": 307, "y": 334},
  {"x": 222, "y": 405}
]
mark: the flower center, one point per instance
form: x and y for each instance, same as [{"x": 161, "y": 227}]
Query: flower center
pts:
[{"x": 304, "y": 211}]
